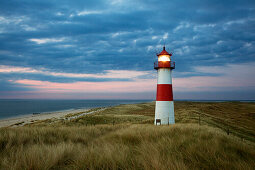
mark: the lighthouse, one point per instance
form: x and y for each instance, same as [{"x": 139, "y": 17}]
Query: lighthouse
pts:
[{"x": 164, "y": 110}]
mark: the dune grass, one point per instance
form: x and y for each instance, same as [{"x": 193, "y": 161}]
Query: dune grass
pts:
[
  {"x": 124, "y": 137},
  {"x": 183, "y": 146}
]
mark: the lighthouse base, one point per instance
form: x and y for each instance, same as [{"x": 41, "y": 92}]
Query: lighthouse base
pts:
[{"x": 164, "y": 113}]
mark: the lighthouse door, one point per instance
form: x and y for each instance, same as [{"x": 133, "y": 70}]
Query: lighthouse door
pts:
[{"x": 158, "y": 121}]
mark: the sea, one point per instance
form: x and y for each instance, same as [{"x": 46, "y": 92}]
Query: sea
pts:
[{"x": 18, "y": 107}]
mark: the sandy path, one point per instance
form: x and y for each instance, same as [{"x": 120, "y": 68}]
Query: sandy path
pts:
[{"x": 28, "y": 118}]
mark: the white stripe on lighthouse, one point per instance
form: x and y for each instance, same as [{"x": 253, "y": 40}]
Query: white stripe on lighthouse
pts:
[
  {"x": 165, "y": 112},
  {"x": 164, "y": 76}
]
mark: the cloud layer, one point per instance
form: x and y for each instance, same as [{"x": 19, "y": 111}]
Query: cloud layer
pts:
[{"x": 113, "y": 43}]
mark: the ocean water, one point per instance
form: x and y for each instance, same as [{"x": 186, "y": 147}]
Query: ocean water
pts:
[{"x": 13, "y": 108}]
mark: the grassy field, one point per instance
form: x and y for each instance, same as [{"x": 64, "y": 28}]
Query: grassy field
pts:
[{"x": 205, "y": 136}]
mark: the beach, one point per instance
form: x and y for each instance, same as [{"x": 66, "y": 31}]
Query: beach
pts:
[{"x": 30, "y": 118}]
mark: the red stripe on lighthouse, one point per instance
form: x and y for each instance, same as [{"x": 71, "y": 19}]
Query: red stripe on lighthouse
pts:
[{"x": 164, "y": 92}]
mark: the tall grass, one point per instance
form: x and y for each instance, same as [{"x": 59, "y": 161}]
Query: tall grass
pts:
[
  {"x": 123, "y": 137},
  {"x": 181, "y": 146}
]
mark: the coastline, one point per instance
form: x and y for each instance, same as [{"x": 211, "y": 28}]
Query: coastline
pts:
[
  {"x": 13, "y": 108},
  {"x": 30, "y": 118},
  {"x": 21, "y": 120}
]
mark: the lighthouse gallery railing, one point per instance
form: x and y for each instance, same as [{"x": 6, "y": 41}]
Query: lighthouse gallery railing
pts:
[{"x": 164, "y": 64}]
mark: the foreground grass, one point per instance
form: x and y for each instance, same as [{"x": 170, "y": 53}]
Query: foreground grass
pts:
[
  {"x": 181, "y": 146},
  {"x": 123, "y": 137}
]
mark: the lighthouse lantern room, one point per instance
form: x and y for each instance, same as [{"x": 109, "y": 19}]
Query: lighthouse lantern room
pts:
[{"x": 164, "y": 110}]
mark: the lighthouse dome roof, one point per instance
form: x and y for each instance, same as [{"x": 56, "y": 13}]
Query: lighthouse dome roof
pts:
[{"x": 164, "y": 52}]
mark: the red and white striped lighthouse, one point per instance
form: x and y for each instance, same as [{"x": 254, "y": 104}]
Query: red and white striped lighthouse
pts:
[{"x": 164, "y": 111}]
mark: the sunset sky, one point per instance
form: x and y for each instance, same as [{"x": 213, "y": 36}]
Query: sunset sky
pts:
[{"x": 105, "y": 49}]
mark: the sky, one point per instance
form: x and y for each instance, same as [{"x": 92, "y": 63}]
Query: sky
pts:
[{"x": 105, "y": 49}]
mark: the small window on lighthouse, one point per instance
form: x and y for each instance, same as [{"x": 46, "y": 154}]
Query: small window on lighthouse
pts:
[{"x": 164, "y": 58}]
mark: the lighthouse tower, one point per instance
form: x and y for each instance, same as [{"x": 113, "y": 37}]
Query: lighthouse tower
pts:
[{"x": 164, "y": 111}]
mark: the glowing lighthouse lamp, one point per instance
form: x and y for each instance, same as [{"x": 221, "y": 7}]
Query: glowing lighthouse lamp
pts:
[{"x": 164, "y": 111}]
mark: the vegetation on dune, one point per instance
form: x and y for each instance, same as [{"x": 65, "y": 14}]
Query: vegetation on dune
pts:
[
  {"x": 236, "y": 118},
  {"x": 123, "y": 137},
  {"x": 77, "y": 114},
  {"x": 183, "y": 146}
]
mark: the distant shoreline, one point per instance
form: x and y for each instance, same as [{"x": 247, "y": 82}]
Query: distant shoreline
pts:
[
  {"x": 13, "y": 108},
  {"x": 29, "y": 118},
  {"x": 41, "y": 113}
]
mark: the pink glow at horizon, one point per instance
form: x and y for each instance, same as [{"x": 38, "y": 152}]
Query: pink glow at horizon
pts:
[
  {"x": 233, "y": 76},
  {"x": 230, "y": 78},
  {"x": 140, "y": 85}
]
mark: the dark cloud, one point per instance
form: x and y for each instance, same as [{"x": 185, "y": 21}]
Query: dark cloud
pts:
[{"x": 96, "y": 35}]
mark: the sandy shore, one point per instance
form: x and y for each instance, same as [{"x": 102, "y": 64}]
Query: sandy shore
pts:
[{"x": 30, "y": 118}]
